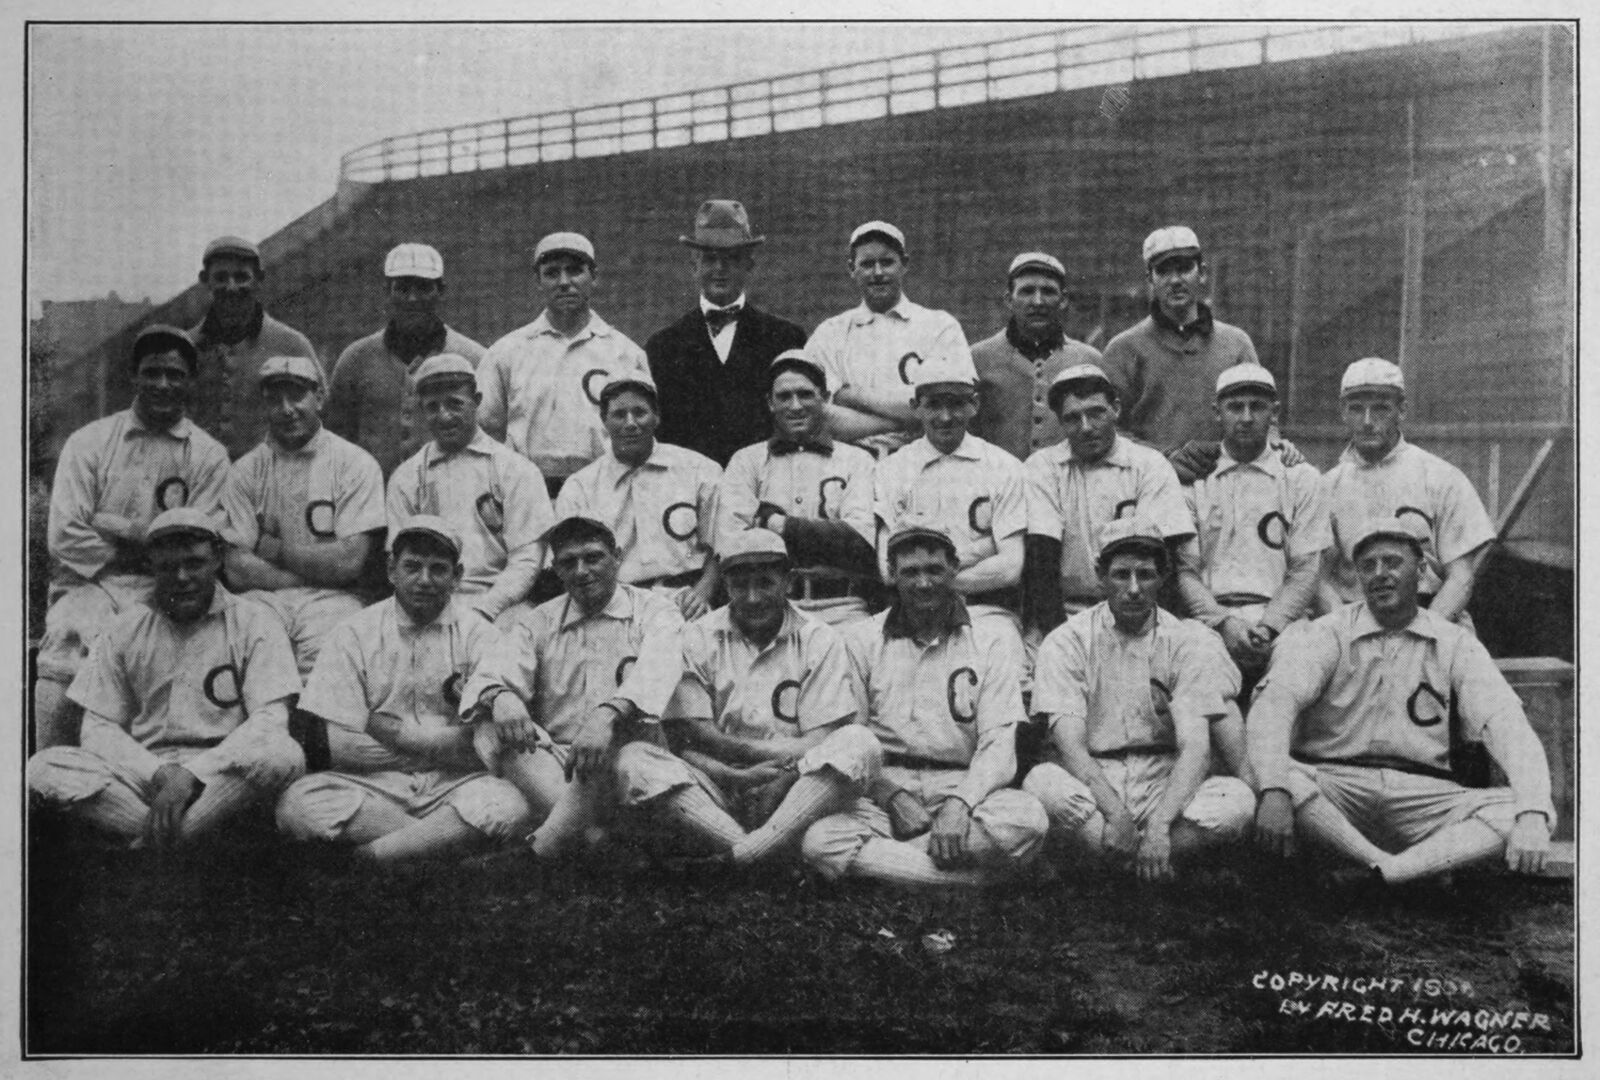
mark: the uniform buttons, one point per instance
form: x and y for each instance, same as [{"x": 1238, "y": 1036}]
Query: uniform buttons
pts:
[
  {"x": 1038, "y": 419},
  {"x": 797, "y": 500}
]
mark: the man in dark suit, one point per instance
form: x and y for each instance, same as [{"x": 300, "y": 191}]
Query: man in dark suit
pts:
[{"x": 712, "y": 367}]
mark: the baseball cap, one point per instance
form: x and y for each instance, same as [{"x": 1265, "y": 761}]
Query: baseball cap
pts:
[
  {"x": 753, "y": 546},
  {"x": 568, "y": 243},
  {"x": 445, "y": 365},
  {"x": 941, "y": 370},
  {"x": 918, "y": 528},
  {"x": 230, "y": 245},
  {"x": 577, "y": 529},
  {"x": 299, "y": 368},
  {"x": 158, "y": 338},
  {"x": 882, "y": 229},
  {"x": 181, "y": 520},
  {"x": 721, "y": 224},
  {"x": 1170, "y": 240},
  {"x": 1390, "y": 527},
  {"x": 429, "y": 525},
  {"x": 1134, "y": 532},
  {"x": 414, "y": 260},
  {"x": 1078, "y": 373},
  {"x": 1037, "y": 260},
  {"x": 629, "y": 382},
  {"x": 1242, "y": 376},
  {"x": 795, "y": 360},
  {"x": 1372, "y": 373}
]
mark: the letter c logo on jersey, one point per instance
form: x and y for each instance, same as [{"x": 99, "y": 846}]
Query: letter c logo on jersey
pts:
[
  {"x": 1125, "y": 506},
  {"x": 1415, "y": 706},
  {"x": 834, "y": 487},
  {"x": 1426, "y": 520},
  {"x": 492, "y": 512},
  {"x": 452, "y": 689},
  {"x": 624, "y": 666},
  {"x": 980, "y": 515},
  {"x": 1273, "y": 538},
  {"x": 319, "y": 519},
  {"x": 680, "y": 520},
  {"x": 221, "y": 686},
  {"x": 1160, "y": 697},
  {"x": 961, "y": 694},
  {"x": 786, "y": 701},
  {"x": 172, "y": 493},
  {"x": 591, "y": 387},
  {"x": 906, "y": 361}
]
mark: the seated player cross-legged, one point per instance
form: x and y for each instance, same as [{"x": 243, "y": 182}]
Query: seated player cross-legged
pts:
[
  {"x": 405, "y": 781},
  {"x": 1351, "y": 732},
  {"x": 945, "y": 701},
  {"x": 763, "y": 722},
  {"x": 186, "y": 704},
  {"x": 1128, "y": 694},
  {"x": 573, "y": 680}
]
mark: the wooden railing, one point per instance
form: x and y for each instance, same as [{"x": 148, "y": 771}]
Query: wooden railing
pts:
[{"x": 1078, "y": 56}]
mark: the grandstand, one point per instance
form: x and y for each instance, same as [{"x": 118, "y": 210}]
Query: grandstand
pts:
[{"x": 1402, "y": 190}]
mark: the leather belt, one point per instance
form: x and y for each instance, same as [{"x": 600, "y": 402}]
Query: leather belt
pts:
[
  {"x": 670, "y": 581},
  {"x": 1242, "y": 599},
  {"x": 807, "y": 587}
]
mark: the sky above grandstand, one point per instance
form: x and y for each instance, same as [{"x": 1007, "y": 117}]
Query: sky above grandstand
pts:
[{"x": 145, "y": 141}]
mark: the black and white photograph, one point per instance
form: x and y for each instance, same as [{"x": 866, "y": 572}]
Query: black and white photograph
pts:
[{"x": 639, "y": 537}]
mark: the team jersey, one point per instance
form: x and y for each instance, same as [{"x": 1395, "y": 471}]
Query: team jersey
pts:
[
  {"x": 117, "y": 465},
  {"x": 663, "y": 512},
  {"x": 1251, "y": 518},
  {"x": 1071, "y": 501},
  {"x": 179, "y": 688},
  {"x": 498, "y": 502},
  {"x": 975, "y": 493},
  {"x": 800, "y": 681},
  {"x": 807, "y": 482},
  {"x": 327, "y": 490},
  {"x": 542, "y": 389},
  {"x": 1167, "y": 381},
  {"x": 564, "y": 663},
  {"x": 1014, "y": 393},
  {"x": 1407, "y": 482},
  {"x": 1123, "y": 686}
]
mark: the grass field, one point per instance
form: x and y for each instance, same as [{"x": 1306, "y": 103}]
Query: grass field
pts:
[{"x": 259, "y": 951}]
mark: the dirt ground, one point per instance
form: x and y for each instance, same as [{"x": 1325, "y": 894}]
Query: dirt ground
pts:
[{"x": 261, "y": 951}]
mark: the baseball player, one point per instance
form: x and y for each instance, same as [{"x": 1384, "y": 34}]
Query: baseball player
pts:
[
  {"x": 1380, "y": 474},
  {"x": 572, "y": 681},
  {"x": 494, "y": 497},
  {"x": 301, "y": 508},
  {"x": 372, "y": 395},
  {"x": 710, "y": 366},
  {"x": 1075, "y": 487},
  {"x": 944, "y": 700},
  {"x": 113, "y": 477},
  {"x": 185, "y": 703},
  {"x": 405, "y": 781},
  {"x": 1017, "y": 366},
  {"x": 763, "y": 721},
  {"x": 1261, "y": 527},
  {"x": 813, "y": 492},
  {"x": 1350, "y": 732},
  {"x": 659, "y": 500},
  {"x": 1129, "y": 693},
  {"x": 1165, "y": 366},
  {"x": 233, "y": 340},
  {"x": 541, "y": 383},
  {"x": 969, "y": 489},
  {"x": 870, "y": 352}
]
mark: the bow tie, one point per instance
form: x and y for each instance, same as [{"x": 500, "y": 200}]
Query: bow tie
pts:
[
  {"x": 717, "y": 319},
  {"x": 784, "y": 447}
]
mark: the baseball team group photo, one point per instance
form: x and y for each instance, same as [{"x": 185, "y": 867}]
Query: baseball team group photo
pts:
[{"x": 1062, "y": 542}]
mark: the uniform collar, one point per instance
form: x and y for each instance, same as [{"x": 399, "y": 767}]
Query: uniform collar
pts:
[
  {"x": 481, "y": 445},
  {"x": 409, "y": 349},
  {"x": 447, "y": 616},
  {"x": 1424, "y": 624},
  {"x": 1117, "y": 457},
  {"x": 967, "y": 449},
  {"x": 720, "y": 622},
  {"x": 821, "y": 443},
  {"x": 1350, "y": 455},
  {"x": 952, "y": 619},
  {"x": 595, "y": 327},
  {"x": 1270, "y": 461},
  {"x": 619, "y": 607},
  {"x": 207, "y": 332},
  {"x": 1034, "y": 350},
  {"x": 1202, "y": 325},
  {"x": 181, "y": 430},
  {"x": 313, "y": 445},
  {"x": 656, "y": 460},
  {"x": 903, "y": 309},
  {"x": 1108, "y": 622}
]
